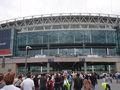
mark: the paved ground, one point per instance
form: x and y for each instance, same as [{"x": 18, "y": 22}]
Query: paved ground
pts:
[{"x": 113, "y": 85}]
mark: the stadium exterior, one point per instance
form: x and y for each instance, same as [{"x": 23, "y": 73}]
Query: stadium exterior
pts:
[{"x": 77, "y": 42}]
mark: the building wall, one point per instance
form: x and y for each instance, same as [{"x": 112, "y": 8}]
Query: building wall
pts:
[
  {"x": 14, "y": 64},
  {"x": 8, "y": 68},
  {"x": 118, "y": 66},
  {"x": 118, "y": 39},
  {"x": 98, "y": 40}
]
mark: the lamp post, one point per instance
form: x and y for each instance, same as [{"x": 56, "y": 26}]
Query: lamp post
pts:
[{"x": 27, "y": 48}]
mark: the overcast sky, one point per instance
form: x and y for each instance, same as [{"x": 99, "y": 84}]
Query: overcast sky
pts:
[{"x": 10, "y": 9}]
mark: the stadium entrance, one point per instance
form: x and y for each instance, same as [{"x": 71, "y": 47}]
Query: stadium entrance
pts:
[{"x": 67, "y": 66}]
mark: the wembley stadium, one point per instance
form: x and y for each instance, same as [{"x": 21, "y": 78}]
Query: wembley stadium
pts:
[{"x": 83, "y": 42}]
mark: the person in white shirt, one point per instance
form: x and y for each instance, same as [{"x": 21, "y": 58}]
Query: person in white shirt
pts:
[
  {"x": 107, "y": 81},
  {"x": 9, "y": 80},
  {"x": 28, "y": 83}
]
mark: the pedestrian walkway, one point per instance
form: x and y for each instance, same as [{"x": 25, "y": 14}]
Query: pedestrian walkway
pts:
[{"x": 113, "y": 85}]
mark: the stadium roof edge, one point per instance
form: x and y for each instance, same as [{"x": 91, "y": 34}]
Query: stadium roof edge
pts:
[{"x": 60, "y": 14}]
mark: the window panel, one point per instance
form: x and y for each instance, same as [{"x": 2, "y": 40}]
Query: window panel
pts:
[{"x": 99, "y": 51}]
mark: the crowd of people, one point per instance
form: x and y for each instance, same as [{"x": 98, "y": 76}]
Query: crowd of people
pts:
[{"x": 55, "y": 81}]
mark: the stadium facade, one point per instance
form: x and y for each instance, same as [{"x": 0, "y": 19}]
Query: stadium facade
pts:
[{"x": 75, "y": 42}]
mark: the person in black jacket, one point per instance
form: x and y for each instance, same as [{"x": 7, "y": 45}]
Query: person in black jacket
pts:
[
  {"x": 57, "y": 82},
  {"x": 36, "y": 82},
  {"x": 93, "y": 79},
  {"x": 77, "y": 82},
  {"x": 43, "y": 81}
]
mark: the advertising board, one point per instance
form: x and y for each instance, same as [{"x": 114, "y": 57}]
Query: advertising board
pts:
[{"x": 5, "y": 39}]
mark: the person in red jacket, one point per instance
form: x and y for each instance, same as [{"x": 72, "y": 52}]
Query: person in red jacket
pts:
[{"x": 50, "y": 84}]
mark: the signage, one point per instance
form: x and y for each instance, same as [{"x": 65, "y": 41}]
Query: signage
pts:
[
  {"x": 5, "y": 38},
  {"x": 82, "y": 59},
  {"x": 9, "y": 70},
  {"x": 51, "y": 60}
]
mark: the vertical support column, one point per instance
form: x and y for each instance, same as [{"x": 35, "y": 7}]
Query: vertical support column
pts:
[
  {"x": 109, "y": 69},
  {"x": 41, "y": 51},
  {"x": 105, "y": 67},
  {"x": 91, "y": 51},
  {"x": 48, "y": 67},
  {"x": 3, "y": 62},
  {"x": 117, "y": 65},
  {"x": 58, "y": 51},
  {"x": 92, "y": 68},
  {"x": 75, "y": 51},
  {"x": 85, "y": 67},
  {"x": 41, "y": 69},
  {"x": 28, "y": 68},
  {"x": 107, "y": 51}
]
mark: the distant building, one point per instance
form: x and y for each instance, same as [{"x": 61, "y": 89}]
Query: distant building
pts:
[{"x": 77, "y": 42}]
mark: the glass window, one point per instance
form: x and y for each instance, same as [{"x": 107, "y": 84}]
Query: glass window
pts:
[
  {"x": 109, "y": 26},
  {"x": 79, "y": 51},
  {"x": 63, "y": 51},
  {"x": 52, "y": 52},
  {"x": 99, "y": 51},
  {"x": 47, "y": 27},
  {"x": 111, "y": 37},
  {"x": 93, "y": 26},
  {"x": 39, "y": 28},
  {"x": 53, "y": 37},
  {"x": 66, "y": 37},
  {"x": 65, "y": 26},
  {"x": 56, "y": 27},
  {"x": 83, "y": 51},
  {"x": 82, "y": 36},
  {"x": 99, "y": 67},
  {"x": 112, "y": 52},
  {"x": 74, "y": 25},
  {"x": 30, "y": 28},
  {"x": 84, "y": 26},
  {"x": 102, "y": 26},
  {"x": 98, "y": 36},
  {"x": 70, "y": 51}
]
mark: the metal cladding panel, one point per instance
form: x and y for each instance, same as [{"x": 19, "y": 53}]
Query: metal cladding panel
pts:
[{"x": 5, "y": 38}]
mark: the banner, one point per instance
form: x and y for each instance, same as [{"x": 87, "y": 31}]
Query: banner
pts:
[{"x": 5, "y": 38}]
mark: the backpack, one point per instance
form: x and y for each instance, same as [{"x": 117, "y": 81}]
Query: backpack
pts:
[{"x": 49, "y": 85}]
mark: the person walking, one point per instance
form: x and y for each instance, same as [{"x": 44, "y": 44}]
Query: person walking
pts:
[
  {"x": 43, "y": 81},
  {"x": 70, "y": 81},
  {"x": 61, "y": 81},
  {"x": 87, "y": 83},
  {"x": 19, "y": 81},
  {"x": 57, "y": 82},
  {"x": 36, "y": 82},
  {"x": 50, "y": 84},
  {"x": 28, "y": 83},
  {"x": 66, "y": 84},
  {"x": 106, "y": 81},
  {"x": 9, "y": 80},
  {"x": 93, "y": 80},
  {"x": 77, "y": 82}
]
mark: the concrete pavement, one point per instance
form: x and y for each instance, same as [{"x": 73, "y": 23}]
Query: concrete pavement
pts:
[{"x": 113, "y": 85}]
